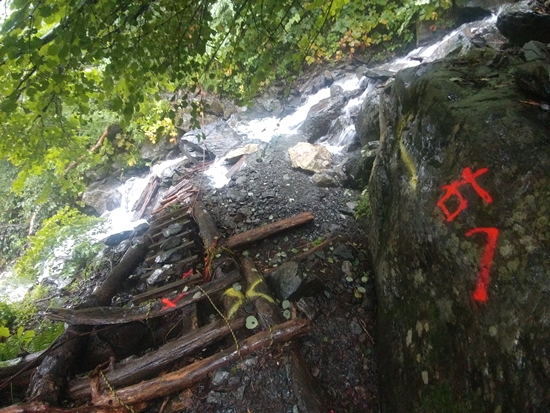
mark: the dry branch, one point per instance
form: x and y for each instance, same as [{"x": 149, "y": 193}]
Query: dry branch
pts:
[
  {"x": 265, "y": 231},
  {"x": 154, "y": 362},
  {"x": 198, "y": 371}
]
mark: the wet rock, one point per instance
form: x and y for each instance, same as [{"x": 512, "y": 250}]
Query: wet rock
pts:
[
  {"x": 522, "y": 22},
  {"x": 170, "y": 243},
  {"x": 317, "y": 83},
  {"x": 122, "y": 247},
  {"x": 153, "y": 151},
  {"x": 173, "y": 255},
  {"x": 103, "y": 196},
  {"x": 355, "y": 328},
  {"x": 336, "y": 90},
  {"x": 534, "y": 76},
  {"x": 313, "y": 158},
  {"x": 375, "y": 73},
  {"x": 289, "y": 282},
  {"x": 320, "y": 117},
  {"x": 326, "y": 179},
  {"x": 172, "y": 229},
  {"x": 141, "y": 229},
  {"x": 220, "y": 137},
  {"x": 367, "y": 123},
  {"x": 159, "y": 275},
  {"x": 236, "y": 154},
  {"x": 434, "y": 314},
  {"x": 116, "y": 239},
  {"x": 308, "y": 306},
  {"x": 343, "y": 251}
]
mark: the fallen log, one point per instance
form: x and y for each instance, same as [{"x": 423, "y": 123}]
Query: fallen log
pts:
[
  {"x": 37, "y": 407},
  {"x": 117, "y": 315},
  {"x": 257, "y": 234},
  {"x": 208, "y": 231},
  {"x": 198, "y": 371},
  {"x": 143, "y": 202},
  {"x": 304, "y": 384},
  {"x": 50, "y": 377},
  {"x": 154, "y": 362}
]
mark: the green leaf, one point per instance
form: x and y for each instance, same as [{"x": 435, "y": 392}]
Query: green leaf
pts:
[{"x": 4, "y": 332}]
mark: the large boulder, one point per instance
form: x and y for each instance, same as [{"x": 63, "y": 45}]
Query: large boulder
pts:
[
  {"x": 321, "y": 116},
  {"x": 523, "y": 22},
  {"x": 460, "y": 240},
  {"x": 103, "y": 196},
  {"x": 311, "y": 158},
  {"x": 367, "y": 123}
]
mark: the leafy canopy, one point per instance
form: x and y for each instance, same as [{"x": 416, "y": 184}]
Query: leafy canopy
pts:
[{"x": 64, "y": 61}]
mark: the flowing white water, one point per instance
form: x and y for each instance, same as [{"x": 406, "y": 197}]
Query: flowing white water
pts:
[{"x": 264, "y": 130}]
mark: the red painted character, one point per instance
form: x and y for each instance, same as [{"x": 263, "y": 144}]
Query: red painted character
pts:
[
  {"x": 480, "y": 293},
  {"x": 468, "y": 177}
]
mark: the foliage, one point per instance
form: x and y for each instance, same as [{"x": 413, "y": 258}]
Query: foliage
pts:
[
  {"x": 28, "y": 340},
  {"x": 67, "y": 226},
  {"x": 62, "y": 62},
  {"x": 363, "y": 206}
]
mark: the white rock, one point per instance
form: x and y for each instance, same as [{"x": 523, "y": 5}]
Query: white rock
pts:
[
  {"x": 234, "y": 155},
  {"x": 310, "y": 157}
]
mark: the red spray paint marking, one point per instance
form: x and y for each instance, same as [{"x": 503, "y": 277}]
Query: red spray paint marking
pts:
[
  {"x": 467, "y": 178},
  {"x": 187, "y": 274},
  {"x": 171, "y": 303},
  {"x": 480, "y": 293}
]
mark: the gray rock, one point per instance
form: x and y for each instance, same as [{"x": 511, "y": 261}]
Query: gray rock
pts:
[
  {"x": 367, "y": 123},
  {"x": 325, "y": 179},
  {"x": 343, "y": 251},
  {"x": 170, "y": 243},
  {"x": 103, "y": 196},
  {"x": 116, "y": 239},
  {"x": 158, "y": 150},
  {"x": 521, "y": 22},
  {"x": 288, "y": 282},
  {"x": 336, "y": 90},
  {"x": 432, "y": 315},
  {"x": 172, "y": 229},
  {"x": 320, "y": 117},
  {"x": 158, "y": 276}
]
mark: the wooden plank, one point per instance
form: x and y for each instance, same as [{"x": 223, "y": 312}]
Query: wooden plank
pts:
[
  {"x": 160, "y": 291},
  {"x": 200, "y": 370},
  {"x": 265, "y": 231},
  {"x": 118, "y": 315},
  {"x": 179, "y": 247},
  {"x": 182, "y": 262}
]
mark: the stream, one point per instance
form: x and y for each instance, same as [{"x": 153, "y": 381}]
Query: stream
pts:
[{"x": 260, "y": 130}]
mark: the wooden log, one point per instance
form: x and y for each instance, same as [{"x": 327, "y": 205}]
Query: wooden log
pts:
[
  {"x": 179, "y": 264},
  {"x": 174, "y": 216},
  {"x": 207, "y": 227},
  {"x": 269, "y": 313},
  {"x": 38, "y": 407},
  {"x": 117, "y": 315},
  {"x": 198, "y": 371},
  {"x": 158, "y": 244},
  {"x": 149, "y": 192},
  {"x": 257, "y": 234},
  {"x": 165, "y": 289},
  {"x": 187, "y": 244},
  {"x": 166, "y": 224},
  {"x": 154, "y": 362},
  {"x": 50, "y": 377}
]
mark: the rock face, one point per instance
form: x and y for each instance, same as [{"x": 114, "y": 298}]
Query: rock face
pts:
[
  {"x": 367, "y": 123},
  {"x": 460, "y": 240},
  {"x": 522, "y": 22},
  {"x": 313, "y": 158},
  {"x": 320, "y": 117}
]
